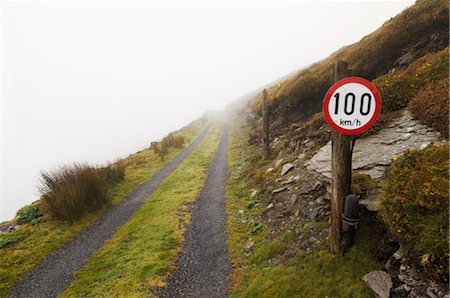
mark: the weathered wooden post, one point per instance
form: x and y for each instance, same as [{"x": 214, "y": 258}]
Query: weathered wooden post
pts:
[
  {"x": 265, "y": 124},
  {"x": 351, "y": 106},
  {"x": 341, "y": 171}
]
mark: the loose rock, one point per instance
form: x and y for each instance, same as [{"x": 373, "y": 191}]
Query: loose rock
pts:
[
  {"x": 286, "y": 168},
  {"x": 380, "y": 282}
]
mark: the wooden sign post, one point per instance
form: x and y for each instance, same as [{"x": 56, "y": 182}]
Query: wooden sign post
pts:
[
  {"x": 265, "y": 130},
  {"x": 341, "y": 171},
  {"x": 351, "y": 106}
]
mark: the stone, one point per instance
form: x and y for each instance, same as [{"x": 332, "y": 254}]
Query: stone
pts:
[
  {"x": 241, "y": 212},
  {"x": 398, "y": 254},
  {"x": 323, "y": 232},
  {"x": 321, "y": 200},
  {"x": 249, "y": 246},
  {"x": 301, "y": 156},
  {"x": 277, "y": 190},
  {"x": 389, "y": 142},
  {"x": 431, "y": 293},
  {"x": 286, "y": 168},
  {"x": 270, "y": 206},
  {"x": 312, "y": 239},
  {"x": 400, "y": 291},
  {"x": 294, "y": 126},
  {"x": 254, "y": 193},
  {"x": 380, "y": 282},
  {"x": 313, "y": 215},
  {"x": 317, "y": 186},
  {"x": 388, "y": 265},
  {"x": 293, "y": 200},
  {"x": 278, "y": 162},
  {"x": 269, "y": 170}
]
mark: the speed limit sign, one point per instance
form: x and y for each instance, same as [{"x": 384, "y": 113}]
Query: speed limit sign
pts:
[{"x": 352, "y": 105}]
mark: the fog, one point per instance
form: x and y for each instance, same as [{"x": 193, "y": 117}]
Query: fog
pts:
[{"x": 93, "y": 81}]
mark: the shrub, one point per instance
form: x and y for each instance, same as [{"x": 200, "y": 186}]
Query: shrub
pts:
[
  {"x": 430, "y": 106},
  {"x": 114, "y": 172},
  {"x": 29, "y": 214},
  {"x": 362, "y": 184},
  {"x": 414, "y": 206},
  {"x": 70, "y": 191},
  {"x": 174, "y": 140},
  {"x": 161, "y": 148}
]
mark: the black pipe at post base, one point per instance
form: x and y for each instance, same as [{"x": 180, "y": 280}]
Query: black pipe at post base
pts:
[{"x": 350, "y": 219}]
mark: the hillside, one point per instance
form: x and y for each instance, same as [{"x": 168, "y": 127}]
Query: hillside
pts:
[
  {"x": 284, "y": 200},
  {"x": 201, "y": 213}
]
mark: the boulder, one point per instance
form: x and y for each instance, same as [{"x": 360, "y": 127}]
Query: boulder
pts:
[
  {"x": 380, "y": 282},
  {"x": 374, "y": 153}
]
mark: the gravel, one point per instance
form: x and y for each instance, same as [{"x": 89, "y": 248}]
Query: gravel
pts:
[
  {"x": 203, "y": 264},
  {"x": 50, "y": 277}
]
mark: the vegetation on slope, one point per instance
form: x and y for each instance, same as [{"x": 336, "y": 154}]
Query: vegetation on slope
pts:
[
  {"x": 263, "y": 263},
  {"x": 25, "y": 247},
  {"x": 415, "y": 206},
  {"x": 430, "y": 105},
  {"x": 142, "y": 253},
  {"x": 396, "y": 89},
  {"x": 420, "y": 29}
]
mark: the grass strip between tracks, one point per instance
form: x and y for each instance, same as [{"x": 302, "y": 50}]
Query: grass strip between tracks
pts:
[{"x": 143, "y": 252}]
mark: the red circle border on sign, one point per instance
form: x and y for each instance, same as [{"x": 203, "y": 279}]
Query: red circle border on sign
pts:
[{"x": 363, "y": 128}]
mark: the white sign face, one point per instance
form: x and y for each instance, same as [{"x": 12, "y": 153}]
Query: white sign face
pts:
[{"x": 352, "y": 106}]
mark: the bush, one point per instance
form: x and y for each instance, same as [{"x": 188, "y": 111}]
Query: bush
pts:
[
  {"x": 363, "y": 184},
  {"x": 430, "y": 106},
  {"x": 174, "y": 140},
  {"x": 114, "y": 172},
  {"x": 28, "y": 214},
  {"x": 70, "y": 191},
  {"x": 414, "y": 206}
]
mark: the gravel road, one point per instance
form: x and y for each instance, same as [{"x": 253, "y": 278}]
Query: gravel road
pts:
[
  {"x": 55, "y": 273},
  {"x": 203, "y": 264}
]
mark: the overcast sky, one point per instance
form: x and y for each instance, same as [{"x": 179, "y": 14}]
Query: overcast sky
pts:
[{"x": 91, "y": 81}]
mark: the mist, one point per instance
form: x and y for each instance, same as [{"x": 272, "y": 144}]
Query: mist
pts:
[{"x": 95, "y": 81}]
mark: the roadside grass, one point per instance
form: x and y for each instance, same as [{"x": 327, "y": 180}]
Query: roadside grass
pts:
[
  {"x": 31, "y": 242},
  {"x": 135, "y": 261},
  {"x": 269, "y": 271}
]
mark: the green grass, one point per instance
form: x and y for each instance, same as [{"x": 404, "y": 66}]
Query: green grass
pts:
[
  {"x": 143, "y": 252},
  {"x": 33, "y": 242},
  {"x": 268, "y": 271}
]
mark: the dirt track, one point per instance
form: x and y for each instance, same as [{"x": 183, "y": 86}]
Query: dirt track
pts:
[
  {"x": 203, "y": 265},
  {"x": 54, "y": 273}
]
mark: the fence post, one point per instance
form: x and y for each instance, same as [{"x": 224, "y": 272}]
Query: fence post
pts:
[
  {"x": 341, "y": 171},
  {"x": 265, "y": 131}
]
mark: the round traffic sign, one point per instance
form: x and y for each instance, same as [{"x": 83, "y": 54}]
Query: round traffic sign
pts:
[{"x": 352, "y": 105}]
